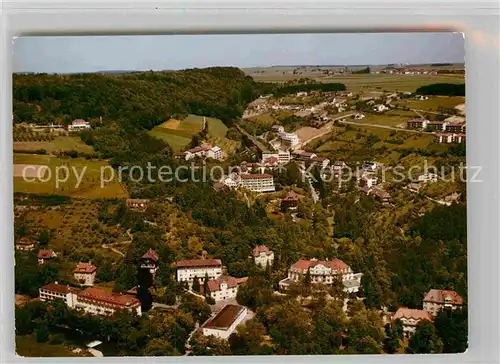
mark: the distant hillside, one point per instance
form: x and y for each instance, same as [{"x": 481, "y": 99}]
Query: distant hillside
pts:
[{"x": 142, "y": 99}]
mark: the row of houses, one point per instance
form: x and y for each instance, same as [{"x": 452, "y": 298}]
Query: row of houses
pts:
[
  {"x": 436, "y": 125},
  {"x": 76, "y": 125}
]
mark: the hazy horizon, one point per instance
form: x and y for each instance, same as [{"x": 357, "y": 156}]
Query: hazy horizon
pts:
[{"x": 85, "y": 54}]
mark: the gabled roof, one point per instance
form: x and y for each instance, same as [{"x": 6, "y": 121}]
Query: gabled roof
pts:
[
  {"x": 408, "y": 313},
  {"x": 46, "y": 254},
  {"x": 440, "y": 295},
  {"x": 261, "y": 249},
  {"x": 214, "y": 284},
  {"x": 85, "y": 268},
  {"x": 291, "y": 196},
  {"x": 101, "y": 295},
  {"x": 335, "y": 264},
  {"x": 151, "y": 254},
  {"x": 59, "y": 288}
]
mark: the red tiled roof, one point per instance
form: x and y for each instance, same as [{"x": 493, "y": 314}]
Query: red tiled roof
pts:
[
  {"x": 101, "y": 295},
  {"x": 46, "y": 254},
  {"x": 291, "y": 196},
  {"x": 335, "y": 264},
  {"x": 59, "y": 288},
  {"x": 214, "y": 284},
  {"x": 404, "y": 312},
  {"x": 261, "y": 249},
  {"x": 225, "y": 318},
  {"x": 255, "y": 176},
  {"x": 78, "y": 122},
  {"x": 84, "y": 268},
  {"x": 271, "y": 161},
  {"x": 198, "y": 263},
  {"x": 151, "y": 254},
  {"x": 439, "y": 295}
]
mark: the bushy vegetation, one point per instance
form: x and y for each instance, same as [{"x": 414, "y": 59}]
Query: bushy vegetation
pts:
[
  {"x": 307, "y": 87},
  {"x": 443, "y": 89}
]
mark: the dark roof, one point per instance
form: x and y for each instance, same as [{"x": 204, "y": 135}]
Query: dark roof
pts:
[
  {"x": 46, "y": 254},
  {"x": 101, "y": 295},
  {"x": 225, "y": 318},
  {"x": 198, "y": 263},
  {"x": 255, "y": 176}
]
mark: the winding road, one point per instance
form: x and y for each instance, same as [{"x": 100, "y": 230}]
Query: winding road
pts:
[{"x": 108, "y": 246}]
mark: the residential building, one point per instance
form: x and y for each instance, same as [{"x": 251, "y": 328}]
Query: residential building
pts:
[
  {"x": 45, "y": 255},
  {"x": 215, "y": 153},
  {"x": 25, "y": 244},
  {"x": 370, "y": 166},
  {"x": 84, "y": 274},
  {"x": 444, "y": 138},
  {"x": 417, "y": 123},
  {"x": 137, "y": 204},
  {"x": 277, "y": 128},
  {"x": 284, "y": 156},
  {"x": 224, "y": 288},
  {"x": 359, "y": 116},
  {"x": 436, "y": 299},
  {"x": 150, "y": 261},
  {"x": 225, "y": 322},
  {"x": 289, "y": 139},
  {"x": 367, "y": 180},
  {"x": 291, "y": 201},
  {"x": 98, "y": 301},
  {"x": 257, "y": 182},
  {"x": 459, "y": 138},
  {"x": 410, "y": 318},
  {"x": 232, "y": 181},
  {"x": 427, "y": 177},
  {"x": 324, "y": 272},
  {"x": 380, "y": 108},
  {"x": 263, "y": 256},
  {"x": 380, "y": 194},
  {"x": 188, "y": 269},
  {"x": 436, "y": 125},
  {"x": 455, "y": 127},
  {"x": 56, "y": 291},
  {"x": 78, "y": 124}
]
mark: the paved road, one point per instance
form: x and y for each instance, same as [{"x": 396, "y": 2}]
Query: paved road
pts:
[{"x": 108, "y": 246}]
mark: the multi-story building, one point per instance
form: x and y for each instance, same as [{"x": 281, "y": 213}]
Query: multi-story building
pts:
[
  {"x": 410, "y": 318},
  {"x": 56, "y": 291},
  {"x": 455, "y": 127},
  {"x": 225, "y": 322},
  {"x": 459, "y": 138},
  {"x": 323, "y": 272},
  {"x": 257, "y": 182},
  {"x": 84, "y": 274},
  {"x": 150, "y": 261},
  {"x": 289, "y": 139},
  {"x": 444, "y": 138},
  {"x": 224, "y": 288},
  {"x": 436, "y": 299},
  {"x": 188, "y": 269},
  {"x": 25, "y": 244},
  {"x": 98, "y": 301},
  {"x": 45, "y": 255},
  {"x": 263, "y": 256},
  {"x": 290, "y": 202},
  {"x": 215, "y": 153},
  {"x": 417, "y": 123},
  {"x": 436, "y": 125},
  {"x": 284, "y": 156}
]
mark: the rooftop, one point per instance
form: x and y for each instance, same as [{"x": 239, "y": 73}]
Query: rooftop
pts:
[
  {"x": 408, "y": 313},
  {"x": 85, "y": 268},
  {"x": 198, "y": 263},
  {"x": 335, "y": 264},
  {"x": 46, "y": 254},
  {"x": 256, "y": 176},
  {"x": 214, "y": 284},
  {"x": 261, "y": 249},
  {"x": 440, "y": 296},
  {"x": 100, "y": 294},
  {"x": 151, "y": 254},
  {"x": 59, "y": 288},
  {"x": 225, "y": 318}
]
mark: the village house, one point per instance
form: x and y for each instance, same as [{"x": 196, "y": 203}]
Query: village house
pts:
[
  {"x": 263, "y": 256},
  {"x": 290, "y": 202},
  {"x": 137, "y": 204},
  {"x": 427, "y": 177},
  {"x": 215, "y": 153},
  {"x": 96, "y": 301},
  {"x": 78, "y": 124},
  {"x": 282, "y": 157},
  {"x": 380, "y": 194},
  {"x": 188, "y": 269},
  {"x": 224, "y": 288},
  {"x": 45, "y": 255},
  {"x": 370, "y": 166},
  {"x": 380, "y": 108},
  {"x": 84, "y": 274},
  {"x": 455, "y": 127},
  {"x": 436, "y": 125},
  {"x": 25, "y": 244},
  {"x": 257, "y": 182},
  {"x": 324, "y": 272},
  {"x": 417, "y": 123},
  {"x": 150, "y": 261},
  {"x": 367, "y": 180},
  {"x": 436, "y": 299},
  {"x": 359, "y": 116},
  {"x": 225, "y": 322},
  {"x": 410, "y": 318}
]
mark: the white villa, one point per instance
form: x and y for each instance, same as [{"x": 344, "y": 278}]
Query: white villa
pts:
[
  {"x": 78, "y": 125},
  {"x": 323, "y": 271},
  {"x": 257, "y": 182},
  {"x": 224, "y": 288},
  {"x": 410, "y": 318},
  {"x": 263, "y": 256},
  {"x": 437, "y": 299},
  {"x": 84, "y": 274}
]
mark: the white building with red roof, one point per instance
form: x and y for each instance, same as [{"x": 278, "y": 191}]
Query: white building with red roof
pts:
[
  {"x": 98, "y": 301},
  {"x": 56, "y": 291},
  {"x": 84, "y": 273},
  {"x": 410, "y": 318},
  {"x": 323, "y": 272},
  {"x": 263, "y": 256},
  {"x": 78, "y": 124},
  {"x": 45, "y": 254},
  {"x": 224, "y": 288},
  {"x": 188, "y": 269},
  {"x": 436, "y": 299}
]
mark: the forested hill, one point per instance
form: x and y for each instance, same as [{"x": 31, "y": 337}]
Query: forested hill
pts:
[{"x": 139, "y": 99}]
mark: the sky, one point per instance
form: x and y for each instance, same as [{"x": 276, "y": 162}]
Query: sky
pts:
[{"x": 69, "y": 54}]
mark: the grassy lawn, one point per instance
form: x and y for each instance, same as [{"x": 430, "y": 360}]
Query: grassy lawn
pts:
[
  {"x": 216, "y": 128},
  {"x": 178, "y": 133},
  {"x": 27, "y": 346},
  {"x": 60, "y": 143},
  {"x": 433, "y": 103},
  {"x": 90, "y": 186}
]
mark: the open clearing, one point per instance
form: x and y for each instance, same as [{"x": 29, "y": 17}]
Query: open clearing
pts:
[
  {"x": 59, "y": 144},
  {"x": 30, "y": 170},
  {"x": 178, "y": 133},
  {"x": 433, "y": 103},
  {"x": 90, "y": 186}
]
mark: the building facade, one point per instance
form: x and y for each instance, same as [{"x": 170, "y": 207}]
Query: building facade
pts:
[
  {"x": 257, "y": 182},
  {"x": 84, "y": 274},
  {"x": 45, "y": 255},
  {"x": 263, "y": 256},
  {"x": 188, "y": 269},
  {"x": 98, "y": 301},
  {"x": 25, "y": 244},
  {"x": 224, "y": 288},
  {"x": 410, "y": 318},
  {"x": 225, "y": 322},
  {"x": 150, "y": 261},
  {"x": 78, "y": 125},
  {"x": 436, "y": 299}
]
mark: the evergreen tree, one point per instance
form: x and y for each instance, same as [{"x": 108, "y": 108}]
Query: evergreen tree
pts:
[
  {"x": 205, "y": 285},
  {"x": 196, "y": 285},
  {"x": 452, "y": 328},
  {"x": 42, "y": 332},
  {"x": 425, "y": 340}
]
